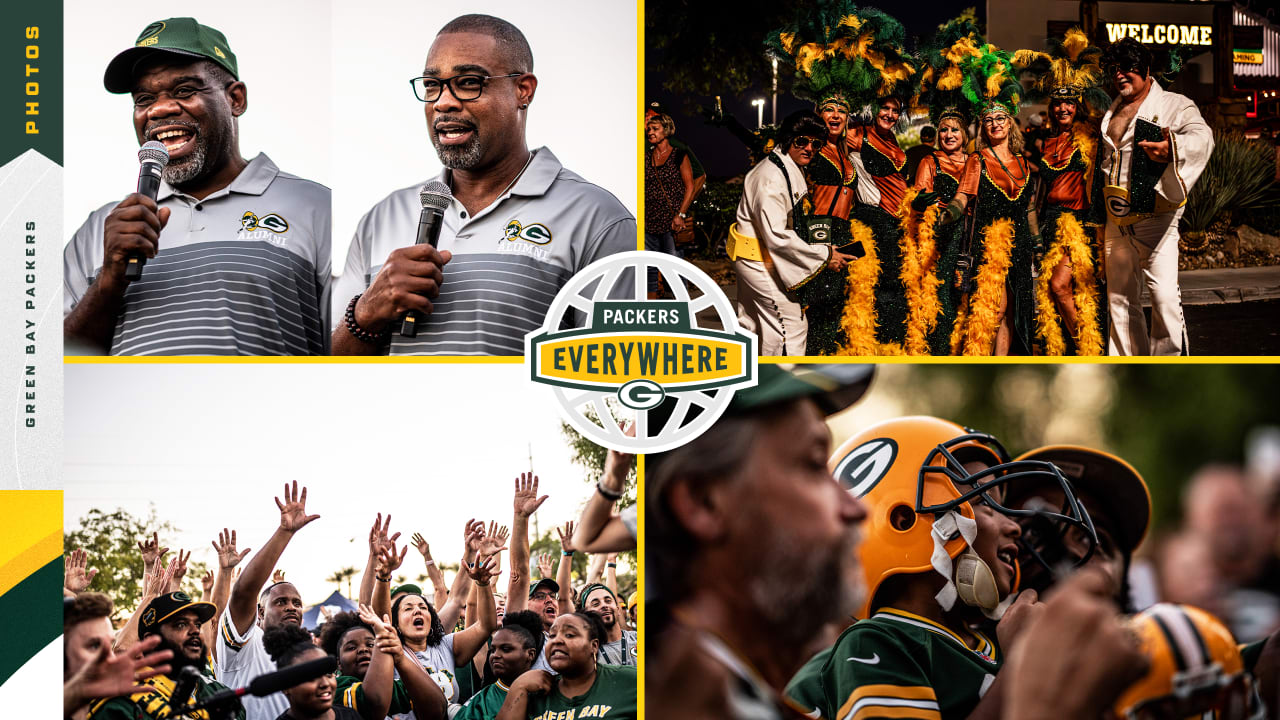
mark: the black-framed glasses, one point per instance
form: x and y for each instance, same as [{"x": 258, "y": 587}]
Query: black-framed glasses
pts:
[
  {"x": 463, "y": 87},
  {"x": 810, "y": 142}
]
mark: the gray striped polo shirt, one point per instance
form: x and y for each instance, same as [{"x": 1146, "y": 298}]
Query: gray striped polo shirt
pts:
[
  {"x": 246, "y": 271},
  {"x": 509, "y": 260}
]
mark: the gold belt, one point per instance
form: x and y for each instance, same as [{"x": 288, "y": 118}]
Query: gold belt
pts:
[{"x": 742, "y": 247}]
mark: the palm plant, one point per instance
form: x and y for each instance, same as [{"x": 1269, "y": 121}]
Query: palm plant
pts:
[{"x": 1239, "y": 176}]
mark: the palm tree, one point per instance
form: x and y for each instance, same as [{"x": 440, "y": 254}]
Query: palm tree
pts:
[{"x": 338, "y": 576}]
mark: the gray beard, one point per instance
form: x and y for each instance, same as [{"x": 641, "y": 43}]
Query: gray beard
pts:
[
  {"x": 459, "y": 157},
  {"x": 799, "y": 590},
  {"x": 190, "y": 168}
]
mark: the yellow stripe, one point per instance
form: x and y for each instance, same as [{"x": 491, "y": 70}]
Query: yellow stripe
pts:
[
  {"x": 227, "y": 637},
  {"x": 901, "y": 692},
  {"x": 913, "y": 616},
  {"x": 896, "y": 712},
  {"x": 30, "y": 559}
]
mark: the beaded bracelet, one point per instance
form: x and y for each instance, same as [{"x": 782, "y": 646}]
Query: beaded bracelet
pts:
[{"x": 354, "y": 328}]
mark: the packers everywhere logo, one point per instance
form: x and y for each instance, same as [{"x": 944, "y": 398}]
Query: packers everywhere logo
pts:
[
  {"x": 536, "y": 233},
  {"x": 612, "y": 355}
]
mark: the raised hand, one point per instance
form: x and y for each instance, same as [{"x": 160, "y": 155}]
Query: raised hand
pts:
[
  {"x": 544, "y": 565},
  {"x": 277, "y": 576},
  {"x": 566, "y": 536},
  {"x": 151, "y": 551},
  {"x": 226, "y": 549},
  {"x": 76, "y": 576},
  {"x": 179, "y": 569},
  {"x": 495, "y": 538},
  {"x": 156, "y": 582},
  {"x": 473, "y": 535},
  {"x": 293, "y": 511},
  {"x": 420, "y": 543},
  {"x": 526, "y": 499},
  {"x": 378, "y": 534},
  {"x": 617, "y": 464},
  {"x": 111, "y": 674},
  {"x": 388, "y": 559},
  {"x": 485, "y": 568},
  {"x": 206, "y": 584}
]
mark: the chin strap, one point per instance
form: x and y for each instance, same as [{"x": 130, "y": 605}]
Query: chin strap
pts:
[{"x": 969, "y": 578}]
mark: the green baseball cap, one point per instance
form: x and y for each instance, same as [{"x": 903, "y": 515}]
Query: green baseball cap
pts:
[
  {"x": 832, "y": 387},
  {"x": 176, "y": 36}
]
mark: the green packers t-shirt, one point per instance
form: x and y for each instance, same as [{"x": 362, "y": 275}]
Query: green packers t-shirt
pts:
[
  {"x": 612, "y": 695},
  {"x": 351, "y": 694},
  {"x": 485, "y": 704},
  {"x": 899, "y": 665},
  {"x": 804, "y": 693}
]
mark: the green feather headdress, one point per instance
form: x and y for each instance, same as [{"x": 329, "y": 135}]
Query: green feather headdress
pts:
[
  {"x": 842, "y": 53},
  {"x": 988, "y": 81},
  {"x": 1069, "y": 71},
  {"x": 942, "y": 78}
]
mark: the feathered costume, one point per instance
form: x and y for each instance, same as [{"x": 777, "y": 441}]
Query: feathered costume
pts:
[
  {"x": 855, "y": 57},
  {"x": 1073, "y": 206},
  {"x": 1000, "y": 238},
  {"x": 933, "y": 297}
]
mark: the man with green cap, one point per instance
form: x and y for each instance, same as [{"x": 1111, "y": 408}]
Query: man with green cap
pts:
[
  {"x": 177, "y": 619},
  {"x": 619, "y": 647},
  {"x": 750, "y": 543},
  {"x": 236, "y": 252}
]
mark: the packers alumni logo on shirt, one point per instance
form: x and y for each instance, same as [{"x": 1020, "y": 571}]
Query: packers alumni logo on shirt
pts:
[
  {"x": 612, "y": 355},
  {"x": 536, "y": 233},
  {"x": 269, "y": 227}
]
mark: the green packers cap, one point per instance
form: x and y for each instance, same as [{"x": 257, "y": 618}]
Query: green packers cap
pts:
[
  {"x": 406, "y": 588},
  {"x": 832, "y": 387},
  {"x": 168, "y": 605},
  {"x": 177, "y": 36}
]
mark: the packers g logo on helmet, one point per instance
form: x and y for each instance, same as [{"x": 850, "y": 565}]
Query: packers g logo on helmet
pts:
[{"x": 1196, "y": 669}]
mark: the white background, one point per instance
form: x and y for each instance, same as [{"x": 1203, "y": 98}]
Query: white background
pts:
[{"x": 329, "y": 95}]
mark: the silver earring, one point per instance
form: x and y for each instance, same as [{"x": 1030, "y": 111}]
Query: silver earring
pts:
[{"x": 524, "y": 106}]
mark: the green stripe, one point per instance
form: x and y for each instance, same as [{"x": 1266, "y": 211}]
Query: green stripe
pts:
[{"x": 36, "y": 617}]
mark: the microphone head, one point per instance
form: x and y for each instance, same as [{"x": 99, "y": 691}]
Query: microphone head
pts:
[
  {"x": 154, "y": 151},
  {"x": 435, "y": 194}
]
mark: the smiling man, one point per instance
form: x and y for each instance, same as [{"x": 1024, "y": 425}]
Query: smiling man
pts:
[
  {"x": 177, "y": 619},
  {"x": 1155, "y": 146},
  {"x": 518, "y": 226},
  {"x": 619, "y": 647},
  {"x": 237, "y": 252}
]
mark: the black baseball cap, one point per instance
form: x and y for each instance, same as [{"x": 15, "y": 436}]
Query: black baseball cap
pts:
[
  {"x": 166, "y": 606},
  {"x": 547, "y": 582},
  {"x": 1114, "y": 487},
  {"x": 175, "y": 36}
]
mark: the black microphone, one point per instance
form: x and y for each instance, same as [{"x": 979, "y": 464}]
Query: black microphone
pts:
[
  {"x": 435, "y": 197},
  {"x": 271, "y": 683},
  {"x": 153, "y": 156},
  {"x": 183, "y": 688}
]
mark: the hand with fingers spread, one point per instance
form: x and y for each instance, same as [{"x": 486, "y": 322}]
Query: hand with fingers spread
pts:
[
  {"x": 545, "y": 565},
  {"x": 277, "y": 576},
  {"x": 495, "y": 538},
  {"x": 226, "y": 549},
  {"x": 157, "y": 581},
  {"x": 111, "y": 674},
  {"x": 485, "y": 568},
  {"x": 76, "y": 576},
  {"x": 293, "y": 511},
  {"x": 179, "y": 565},
  {"x": 526, "y": 499},
  {"x": 389, "y": 560},
  {"x": 473, "y": 536},
  {"x": 206, "y": 585},
  {"x": 379, "y": 537},
  {"x": 420, "y": 543},
  {"x": 151, "y": 551},
  {"x": 566, "y": 537}
]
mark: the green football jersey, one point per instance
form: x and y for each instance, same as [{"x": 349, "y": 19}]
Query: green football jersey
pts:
[
  {"x": 612, "y": 696},
  {"x": 485, "y": 704},
  {"x": 899, "y": 665},
  {"x": 804, "y": 693},
  {"x": 350, "y": 693}
]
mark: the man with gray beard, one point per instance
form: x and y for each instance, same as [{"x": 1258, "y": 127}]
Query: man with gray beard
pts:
[
  {"x": 518, "y": 226},
  {"x": 751, "y": 547},
  {"x": 237, "y": 253}
]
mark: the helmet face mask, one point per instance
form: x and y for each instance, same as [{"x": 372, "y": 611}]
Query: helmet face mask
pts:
[{"x": 1051, "y": 524}]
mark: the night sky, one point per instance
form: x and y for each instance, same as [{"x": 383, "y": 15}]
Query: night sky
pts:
[{"x": 720, "y": 152}]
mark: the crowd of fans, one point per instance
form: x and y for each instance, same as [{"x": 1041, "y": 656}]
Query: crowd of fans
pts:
[{"x": 551, "y": 642}]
